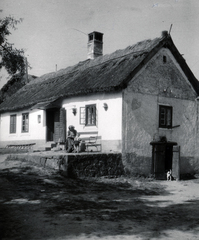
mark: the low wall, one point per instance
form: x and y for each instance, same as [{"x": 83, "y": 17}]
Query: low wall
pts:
[
  {"x": 102, "y": 164},
  {"x": 78, "y": 165}
]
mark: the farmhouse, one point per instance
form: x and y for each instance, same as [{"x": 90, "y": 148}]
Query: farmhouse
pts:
[{"x": 141, "y": 101}]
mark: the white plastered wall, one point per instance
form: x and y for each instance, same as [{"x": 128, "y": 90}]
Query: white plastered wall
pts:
[
  {"x": 36, "y": 133},
  {"x": 108, "y": 124}
]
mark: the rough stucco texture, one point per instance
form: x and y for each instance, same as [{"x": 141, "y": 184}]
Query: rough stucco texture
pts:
[
  {"x": 78, "y": 165},
  {"x": 135, "y": 165},
  {"x": 92, "y": 165},
  {"x": 189, "y": 166},
  {"x": 158, "y": 83}
]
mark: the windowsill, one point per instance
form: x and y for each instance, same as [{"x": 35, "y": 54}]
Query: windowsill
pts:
[
  {"x": 161, "y": 128},
  {"x": 24, "y": 134},
  {"x": 13, "y": 135},
  {"x": 90, "y": 126}
]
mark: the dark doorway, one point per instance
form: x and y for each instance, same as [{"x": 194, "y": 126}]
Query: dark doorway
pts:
[
  {"x": 162, "y": 158},
  {"x": 56, "y": 125},
  {"x": 50, "y": 115},
  {"x": 168, "y": 157}
]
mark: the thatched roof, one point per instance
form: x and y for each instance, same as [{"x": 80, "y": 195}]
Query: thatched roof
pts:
[
  {"x": 16, "y": 82},
  {"x": 103, "y": 74}
]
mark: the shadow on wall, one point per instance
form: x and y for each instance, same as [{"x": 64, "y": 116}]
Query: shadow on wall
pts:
[
  {"x": 136, "y": 165},
  {"x": 189, "y": 168}
]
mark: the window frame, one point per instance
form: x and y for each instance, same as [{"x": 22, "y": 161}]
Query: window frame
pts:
[
  {"x": 13, "y": 123},
  {"x": 168, "y": 115},
  {"x": 92, "y": 121},
  {"x": 25, "y": 123}
]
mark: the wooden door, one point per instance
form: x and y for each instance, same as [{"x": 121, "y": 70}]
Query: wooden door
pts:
[
  {"x": 60, "y": 125},
  {"x": 159, "y": 161},
  {"x": 168, "y": 157}
]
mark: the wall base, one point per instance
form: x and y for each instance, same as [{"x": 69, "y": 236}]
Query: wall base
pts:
[
  {"x": 135, "y": 165},
  {"x": 39, "y": 143},
  {"x": 78, "y": 165}
]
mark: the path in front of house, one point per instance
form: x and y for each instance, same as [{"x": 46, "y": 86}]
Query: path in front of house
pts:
[
  {"x": 37, "y": 203},
  {"x": 181, "y": 202}
]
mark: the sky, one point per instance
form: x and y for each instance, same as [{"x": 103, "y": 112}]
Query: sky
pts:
[{"x": 54, "y": 32}]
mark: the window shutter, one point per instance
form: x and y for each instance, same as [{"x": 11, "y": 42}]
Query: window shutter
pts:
[
  {"x": 94, "y": 115},
  {"x": 82, "y": 115},
  {"x": 62, "y": 125}
]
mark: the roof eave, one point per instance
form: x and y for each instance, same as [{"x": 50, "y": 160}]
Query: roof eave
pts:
[
  {"x": 148, "y": 56},
  {"x": 54, "y": 103},
  {"x": 185, "y": 68},
  {"x": 168, "y": 43}
]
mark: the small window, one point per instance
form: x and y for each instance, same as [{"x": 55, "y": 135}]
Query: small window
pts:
[
  {"x": 165, "y": 117},
  {"x": 13, "y": 123},
  {"x": 25, "y": 122},
  {"x": 164, "y": 59},
  {"x": 91, "y": 115},
  {"x": 39, "y": 118}
]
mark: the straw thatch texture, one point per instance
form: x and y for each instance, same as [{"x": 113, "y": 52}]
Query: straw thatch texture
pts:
[
  {"x": 13, "y": 85},
  {"x": 103, "y": 74}
]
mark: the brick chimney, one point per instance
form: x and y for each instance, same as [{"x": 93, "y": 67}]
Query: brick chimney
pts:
[
  {"x": 95, "y": 45},
  {"x": 165, "y": 33}
]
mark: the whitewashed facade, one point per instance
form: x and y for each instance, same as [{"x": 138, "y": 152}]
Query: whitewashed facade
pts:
[{"x": 108, "y": 122}]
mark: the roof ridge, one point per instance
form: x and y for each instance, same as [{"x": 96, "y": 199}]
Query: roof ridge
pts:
[
  {"x": 82, "y": 64},
  {"x": 103, "y": 74}
]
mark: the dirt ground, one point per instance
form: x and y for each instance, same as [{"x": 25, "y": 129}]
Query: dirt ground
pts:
[{"x": 37, "y": 203}]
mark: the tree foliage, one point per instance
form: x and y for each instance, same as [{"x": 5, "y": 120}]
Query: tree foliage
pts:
[{"x": 11, "y": 58}]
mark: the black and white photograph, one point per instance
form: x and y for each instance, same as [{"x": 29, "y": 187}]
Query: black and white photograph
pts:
[{"x": 99, "y": 120}]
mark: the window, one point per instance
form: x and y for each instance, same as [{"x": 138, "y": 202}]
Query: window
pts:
[
  {"x": 25, "y": 122},
  {"x": 91, "y": 115},
  {"x": 13, "y": 123},
  {"x": 39, "y": 118},
  {"x": 165, "y": 117}
]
